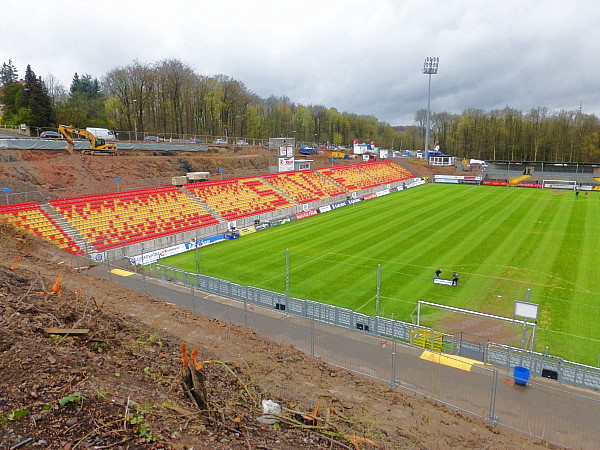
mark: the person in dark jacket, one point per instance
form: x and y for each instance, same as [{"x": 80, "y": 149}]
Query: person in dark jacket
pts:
[{"x": 437, "y": 274}]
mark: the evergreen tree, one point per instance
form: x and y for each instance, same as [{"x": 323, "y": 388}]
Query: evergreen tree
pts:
[
  {"x": 10, "y": 91},
  {"x": 86, "y": 85},
  {"x": 85, "y": 105},
  {"x": 34, "y": 105},
  {"x": 8, "y": 73}
]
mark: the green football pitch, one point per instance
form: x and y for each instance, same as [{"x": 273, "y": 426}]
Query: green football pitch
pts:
[{"x": 501, "y": 241}]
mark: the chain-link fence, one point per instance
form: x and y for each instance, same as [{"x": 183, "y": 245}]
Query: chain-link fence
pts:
[{"x": 379, "y": 348}]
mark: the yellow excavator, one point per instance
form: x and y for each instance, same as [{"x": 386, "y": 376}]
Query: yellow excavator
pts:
[{"x": 97, "y": 145}]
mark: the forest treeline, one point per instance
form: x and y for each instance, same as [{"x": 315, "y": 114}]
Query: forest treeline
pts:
[{"x": 169, "y": 98}]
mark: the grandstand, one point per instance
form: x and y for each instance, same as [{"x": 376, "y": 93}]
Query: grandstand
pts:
[
  {"x": 108, "y": 221},
  {"x": 112, "y": 220},
  {"x": 31, "y": 218},
  {"x": 239, "y": 197},
  {"x": 384, "y": 171},
  {"x": 304, "y": 186},
  {"x": 349, "y": 177}
]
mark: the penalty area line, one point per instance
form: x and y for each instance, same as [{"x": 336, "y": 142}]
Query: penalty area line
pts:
[{"x": 365, "y": 304}]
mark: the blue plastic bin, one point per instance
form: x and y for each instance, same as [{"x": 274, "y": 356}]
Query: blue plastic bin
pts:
[{"x": 521, "y": 375}]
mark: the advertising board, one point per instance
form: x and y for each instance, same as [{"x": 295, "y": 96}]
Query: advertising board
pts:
[
  {"x": 527, "y": 184},
  {"x": 339, "y": 205},
  {"x": 152, "y": 257},
  {"x": 305, "y": 214},
  {"x": 247, "y": 230},
  {"x": 286, "y": 164}
]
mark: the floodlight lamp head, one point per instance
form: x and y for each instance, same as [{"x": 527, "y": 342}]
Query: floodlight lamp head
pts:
[{"x": 430, "y": 67}]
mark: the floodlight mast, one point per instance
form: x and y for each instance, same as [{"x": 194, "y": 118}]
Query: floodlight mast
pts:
[{"x": 430, "y": 67}]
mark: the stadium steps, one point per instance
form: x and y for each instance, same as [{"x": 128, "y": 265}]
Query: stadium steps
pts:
[
  {"x": 203, "y": 205},
  {"x": 279, "y": 191},
  {"x": 514, "y": 181},
  {"x": 331, "y": 180},
  {"x": 372, "y": 177},
  {"x": 66, "y": 226}
]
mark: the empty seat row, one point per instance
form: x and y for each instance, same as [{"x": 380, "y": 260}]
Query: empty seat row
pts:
[
  {"x": 31, "y": 218},
  {"x": 304, "y": 186},
  {"x": 384, "y": 171},
  {"x": 349, "y": 177},
  {"x": 239, "y": 197},
  {"x": 123, "y": 218}
]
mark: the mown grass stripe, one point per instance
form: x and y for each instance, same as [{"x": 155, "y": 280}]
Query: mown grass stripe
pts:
[{"x": 500, "y": 240}]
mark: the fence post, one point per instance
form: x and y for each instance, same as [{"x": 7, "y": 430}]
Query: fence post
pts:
[
  {"x": 312, "y": 337},
  {"x": 492, "y": 418},
  {"x": 287, "y": 273},
  {"x": 197, "y": 260},
  {"x": 143, "y": 272},
  {"x": 193, "y": 299},
  {"x": 377, "y": 300},
  {"x": 393, "y": 381}
]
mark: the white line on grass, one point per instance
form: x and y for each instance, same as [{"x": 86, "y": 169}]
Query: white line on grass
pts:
[
  {"x": 576, "y": 288},
  {"x": 365, "y": 304},
  {"x": 394, "y": 299},
  {"x": 293, "y": 268},
  {"x": 547, "y": 330}
]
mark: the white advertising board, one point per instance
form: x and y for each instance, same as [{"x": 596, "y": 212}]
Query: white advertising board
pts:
[
  {"x": 526, "y": 310},
  {"x": 286, "y": 164}
]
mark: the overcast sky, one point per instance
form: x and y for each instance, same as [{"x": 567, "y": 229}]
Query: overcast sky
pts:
[{"x": 359, "y": 56}]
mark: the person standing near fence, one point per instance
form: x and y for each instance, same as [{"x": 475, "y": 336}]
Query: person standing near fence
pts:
[{"x": 455, "y": 279}]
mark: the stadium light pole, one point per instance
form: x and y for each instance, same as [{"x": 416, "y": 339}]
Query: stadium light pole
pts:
[{"x": 430, "y": 67}]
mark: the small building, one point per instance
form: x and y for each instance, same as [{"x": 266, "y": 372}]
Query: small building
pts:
[
  {"x": 302, "y": 164},
  {"x": 443, "y": 160},
  {"x": 195, "y": 177}
]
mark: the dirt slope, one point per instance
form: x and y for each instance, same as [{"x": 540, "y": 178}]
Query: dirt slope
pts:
[
  {"x": 62, "y": 175},
  {"x": 58, "y": 174}
]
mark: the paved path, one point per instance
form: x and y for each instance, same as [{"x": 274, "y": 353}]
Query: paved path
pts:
[{"x": 561, "y": 414}]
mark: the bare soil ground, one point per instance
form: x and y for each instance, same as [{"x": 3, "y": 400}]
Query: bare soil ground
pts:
[
  {"x": 58, "y": 174},
  {"x": 119, "y": 385}
]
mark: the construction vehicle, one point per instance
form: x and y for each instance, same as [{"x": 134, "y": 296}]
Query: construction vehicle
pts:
[{"x": 97, "y": 145}]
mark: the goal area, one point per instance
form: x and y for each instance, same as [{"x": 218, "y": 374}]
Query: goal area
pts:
[
  {"x": 477, "y": 326},
  {"x": 559, "y": 184}
]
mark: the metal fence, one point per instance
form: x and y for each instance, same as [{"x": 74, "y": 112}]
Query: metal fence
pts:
[{"x": 379, "y": 349}]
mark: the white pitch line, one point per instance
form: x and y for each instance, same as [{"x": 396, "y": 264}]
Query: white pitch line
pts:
[
  {"x": 365, "y": 304},
  {"x": 278, "y": 274}
]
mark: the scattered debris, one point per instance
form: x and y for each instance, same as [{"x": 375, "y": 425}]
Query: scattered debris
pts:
[{"x": 66, "y": 331}]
